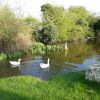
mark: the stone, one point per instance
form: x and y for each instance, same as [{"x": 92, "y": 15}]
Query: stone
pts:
[{"x": 93, "y": 72}]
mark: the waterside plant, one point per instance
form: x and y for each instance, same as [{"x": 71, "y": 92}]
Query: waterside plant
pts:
[
  {"x": 39, "y": 48},
  {"x": 3, "y": 56}
]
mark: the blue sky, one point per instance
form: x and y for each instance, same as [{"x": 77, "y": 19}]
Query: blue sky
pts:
[{"x": 32, "y": 7}]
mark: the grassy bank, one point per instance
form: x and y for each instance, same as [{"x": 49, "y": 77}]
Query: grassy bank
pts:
[{"x": 70, "y": 86}]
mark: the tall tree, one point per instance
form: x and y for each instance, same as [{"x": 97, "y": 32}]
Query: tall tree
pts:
[
  {"x": 11, "y": 30},
  {"x": 71, "y": 24},
  {"x": 79, "y": 16},
  {"x": 57, "y": 16}
]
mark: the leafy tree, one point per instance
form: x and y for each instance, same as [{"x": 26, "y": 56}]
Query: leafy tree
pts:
[
  {"x": 34, "y": 24},
  {"x": 46, "y": 34},
  {"x": 13, "y": 31},
  {"x": 79, "y": 18},
  {"x": 79, "y": 10},
  {"x": 96, "y": 27},
  {"x": 57, "y": 16},
  {"x": 72, "y": 24},
  {"x": 31, "y": 21}
]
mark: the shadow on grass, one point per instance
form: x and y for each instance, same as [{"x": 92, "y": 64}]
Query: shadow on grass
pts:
[
  {"x": 76, "y": 87},
  {"x": 74, "y": 78},
  {"x": 5, "y": 95}
]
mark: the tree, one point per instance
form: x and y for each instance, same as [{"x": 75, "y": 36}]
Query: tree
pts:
[
  {"x": 31, "y": 21},
  {"x": 13, "y": 31},
  {"x": 72, "y": 24},
  {"x": 96, "y": 28},
  {"x": 79, "y": 16},
  {"x": 79, "y": 10},
  {"x": 47, "y": 34},
  {"x": 57, "y": 16}
]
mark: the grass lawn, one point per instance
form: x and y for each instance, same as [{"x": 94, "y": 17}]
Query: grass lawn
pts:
[{"x": 71, "y": 86}]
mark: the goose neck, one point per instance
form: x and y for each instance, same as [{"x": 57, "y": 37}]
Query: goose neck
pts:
[
  {"x": 48, "y": 61},
  {"x": 19, "y": 60}
]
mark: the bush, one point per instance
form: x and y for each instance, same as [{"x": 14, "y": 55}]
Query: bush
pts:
[
  {"x": 54, "y": 48},
  {"x": 39, "y": 48},
  {"x": 14, "y": 33},
  {"x": 3, "y": 56},
  {"x": 16, "y": 54},
  {"x": 47, "y": 34}
]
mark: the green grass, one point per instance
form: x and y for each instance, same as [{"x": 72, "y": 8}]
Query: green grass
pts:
[{"x": 71, "y": 86}]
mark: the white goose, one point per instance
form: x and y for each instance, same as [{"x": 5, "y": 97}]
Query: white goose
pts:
[
  {"x": 43, "y": 65},
  {"x": 15, "y": 63}
]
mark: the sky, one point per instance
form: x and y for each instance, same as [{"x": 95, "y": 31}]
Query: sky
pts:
[{"x": 33, "y": 7}]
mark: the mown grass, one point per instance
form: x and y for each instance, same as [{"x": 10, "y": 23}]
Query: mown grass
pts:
[{"x": 72, "y": 86}]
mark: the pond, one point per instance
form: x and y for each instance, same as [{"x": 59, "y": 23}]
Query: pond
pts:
[{"x": 78, "y": 57}]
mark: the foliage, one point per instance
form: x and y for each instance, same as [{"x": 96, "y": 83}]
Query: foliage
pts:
[
  {"x": 47, "y": 34},
  {"x": 34, "y": 24},
  {"x": 57, "y": 16},
  {"x": 79, "y": 28},
  {"x": 57, "y": 25},
  {"x": 54, "y": 48},
  {"x": 79, "y": 10},
  {"x": 30, "y": 21},
  {"x": 96, "y": 28},
  {"x": 72, "y": 24},
  {"x": 3, "y": 56},
  {"x": 16, "y": 54},
  {"x": 39, "y": 48},
  {"x": 13, "y": 31},
  {"x": 69, "y": 86},
  {"x": 24, "y": 39},
  {"x": 94, "y": 22}
]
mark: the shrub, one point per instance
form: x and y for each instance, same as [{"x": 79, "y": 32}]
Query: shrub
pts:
[
  {"x": 3, "y": 56},
  {"x": 16, "y": 54},
  {"x": 37, "y": 48}
]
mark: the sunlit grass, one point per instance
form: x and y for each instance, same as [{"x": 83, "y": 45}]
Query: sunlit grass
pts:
[{"x": 72, "y": 86}]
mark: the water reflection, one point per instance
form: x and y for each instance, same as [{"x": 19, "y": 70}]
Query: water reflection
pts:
[
  {"x": 6, "y": 70},
  {"x": 78, "y": 57}
]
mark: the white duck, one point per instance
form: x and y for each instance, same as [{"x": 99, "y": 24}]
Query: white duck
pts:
[
  {"x": 43, "y": 65},
  {"x": 15, "y": 63}
]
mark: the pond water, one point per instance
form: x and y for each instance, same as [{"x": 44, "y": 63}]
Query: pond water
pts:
[{"x": 78, "y": 57}]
